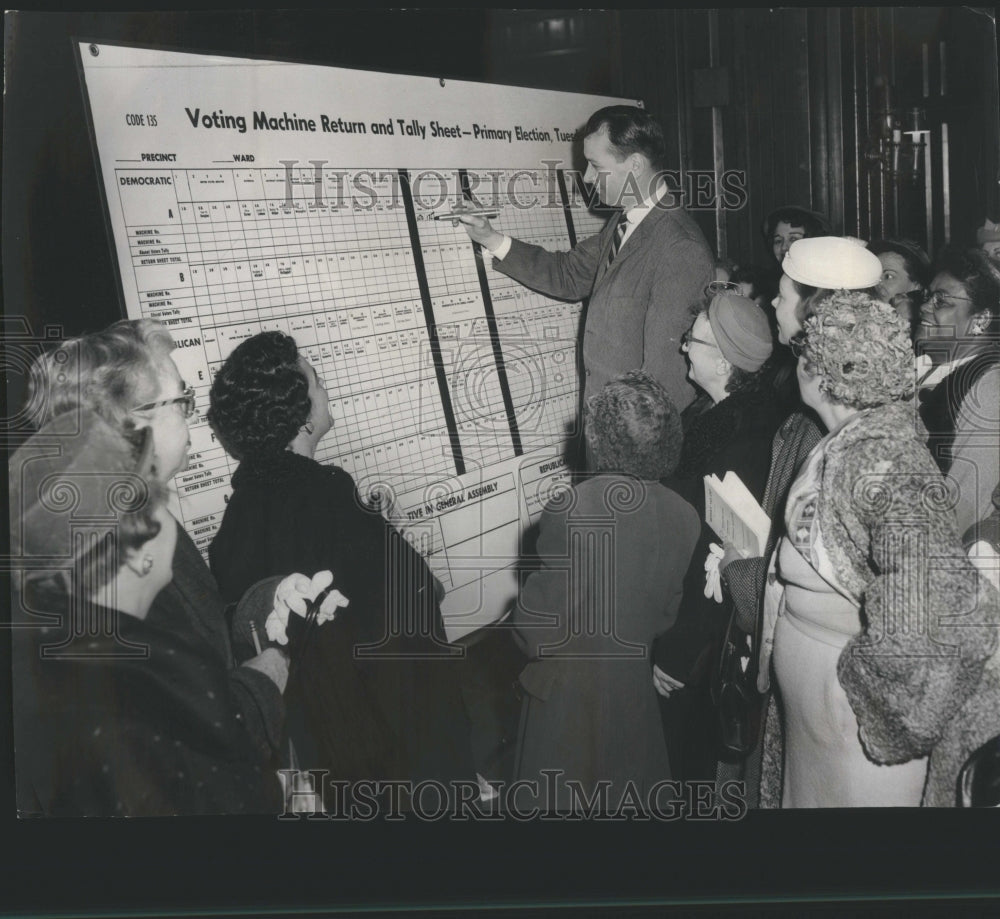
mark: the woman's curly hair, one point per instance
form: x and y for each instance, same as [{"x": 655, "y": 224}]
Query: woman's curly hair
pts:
[
  {"x": 260, "y": 397},
  {"x": 860, "y": 349},
  {"x": 633, "y": 427}
]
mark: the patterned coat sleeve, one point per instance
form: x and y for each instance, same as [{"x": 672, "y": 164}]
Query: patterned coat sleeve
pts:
[
  {"x": 744, "y": 579},
  {"x": 929, "y": 622}
]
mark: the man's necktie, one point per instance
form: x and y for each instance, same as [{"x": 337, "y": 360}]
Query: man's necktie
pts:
[{"x": 619, "y": 238}]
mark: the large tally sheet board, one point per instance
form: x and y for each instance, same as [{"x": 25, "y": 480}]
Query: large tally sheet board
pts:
[{"x": 249, "y": 195}]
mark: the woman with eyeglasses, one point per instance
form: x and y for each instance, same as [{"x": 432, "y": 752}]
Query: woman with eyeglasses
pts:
[
  {"x": 880, "y": 624},
  {"x": 959, "y": 376},
  {"x": 126, "y": 375},
  {"x": 376, "y": 695},
  {"x": 727, "y": 348},
  {"x": 116, "y": 714}
]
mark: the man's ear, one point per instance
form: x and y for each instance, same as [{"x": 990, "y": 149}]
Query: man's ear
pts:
[{"x": 723, "y": 367}]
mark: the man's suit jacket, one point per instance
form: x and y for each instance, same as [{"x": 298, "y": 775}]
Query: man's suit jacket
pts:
[{"x": 639, "y": 307}]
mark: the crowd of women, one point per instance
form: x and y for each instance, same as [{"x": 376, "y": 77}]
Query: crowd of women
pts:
[{"x": 853, "y": 389}]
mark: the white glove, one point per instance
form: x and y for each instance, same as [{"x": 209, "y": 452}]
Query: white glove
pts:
[
  {"x": 713, "y": 582},
  {"x": 293, "y": 594}
]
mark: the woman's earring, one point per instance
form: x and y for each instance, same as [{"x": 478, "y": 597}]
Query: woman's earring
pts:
[
  {"x": 147, "y": 564},
  {"x": 307, "y": 427},
  {"x": 980, "y": 323}
]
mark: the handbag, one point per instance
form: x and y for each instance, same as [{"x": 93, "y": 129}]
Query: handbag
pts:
[
  {"x": 738, "y": 705},
  {"x": 979, "y": 779}
]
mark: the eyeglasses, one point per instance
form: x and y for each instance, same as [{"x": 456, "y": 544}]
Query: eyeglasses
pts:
[
  {"x": 939, "y": 300},
  {"x": 687, "y": 338},
  {"x": 797, "y": 345},
  {"x": 185, "y": 399},
  {"x": 721, "y": 287}
]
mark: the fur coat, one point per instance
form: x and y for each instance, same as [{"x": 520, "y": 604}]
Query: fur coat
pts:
[{"x": 922, "y": 675}]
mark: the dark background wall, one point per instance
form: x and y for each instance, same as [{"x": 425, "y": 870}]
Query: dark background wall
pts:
[
  {"x": 791, "y": 97},
  {"x": 796, "y": 99}
]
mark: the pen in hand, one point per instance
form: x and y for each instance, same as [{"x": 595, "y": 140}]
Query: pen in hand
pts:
[{"x": 470, "y": 212}]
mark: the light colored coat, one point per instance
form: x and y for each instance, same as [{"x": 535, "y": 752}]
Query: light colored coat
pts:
[{"x": 914, "y": 675}]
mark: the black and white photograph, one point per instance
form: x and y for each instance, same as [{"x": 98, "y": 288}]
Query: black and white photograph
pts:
[{"x": 503, "y": 425}]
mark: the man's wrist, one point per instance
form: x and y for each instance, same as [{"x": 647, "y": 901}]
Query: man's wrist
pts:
[{"x": 500, "y": 246}]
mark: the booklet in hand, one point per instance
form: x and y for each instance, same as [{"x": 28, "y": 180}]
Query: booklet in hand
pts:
[{"x": 735, "y": 515}]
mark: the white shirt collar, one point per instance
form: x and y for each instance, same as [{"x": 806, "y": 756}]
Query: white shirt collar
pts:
[
  {"x": 928, "y": 375},
  {"x": 636, "y": 213}
]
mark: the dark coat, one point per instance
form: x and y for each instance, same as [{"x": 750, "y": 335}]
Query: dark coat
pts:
[
  {"x": 378, "y": 685},
  {"x": 155, "y": 733},
  {"x": 734, "y": 435},
  {"x": 590, "y": 707},
  {"x": 638, "y": 307},
  {"x": 191, "y": 605}
]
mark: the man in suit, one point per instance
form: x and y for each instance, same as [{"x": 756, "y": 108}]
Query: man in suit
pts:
[{"x": 642, "y": 272}]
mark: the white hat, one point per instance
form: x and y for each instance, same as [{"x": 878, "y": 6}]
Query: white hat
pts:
[{"x": 832, "y": 262}]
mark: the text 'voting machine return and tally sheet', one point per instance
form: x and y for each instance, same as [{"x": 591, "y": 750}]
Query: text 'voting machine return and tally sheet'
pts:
[{"x": 248, "y": 195}]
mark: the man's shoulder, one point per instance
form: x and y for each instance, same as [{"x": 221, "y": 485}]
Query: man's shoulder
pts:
[{"x": 676, "y": 222}]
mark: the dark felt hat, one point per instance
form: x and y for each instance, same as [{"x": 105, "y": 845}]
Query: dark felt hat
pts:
[{"x": 741, "y": 331}]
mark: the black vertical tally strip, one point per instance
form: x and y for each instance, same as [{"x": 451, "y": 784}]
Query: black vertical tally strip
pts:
[
  {"x": 564, "y": 198},
  {"x": 432, "y": 335},
  {"x": 491, "y": 322},
  {"x": 585, "y": 303}
]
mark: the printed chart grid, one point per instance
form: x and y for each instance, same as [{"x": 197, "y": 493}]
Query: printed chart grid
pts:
[
  {"x": 220, "y": 254},
  {"x": 460, "y": 314},
  {"x": 233, "y": 253},
  {"x": 538, "y": 334}
]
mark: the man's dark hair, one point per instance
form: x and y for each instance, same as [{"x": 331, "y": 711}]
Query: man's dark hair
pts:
[{"x": 630, "y": 130}]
